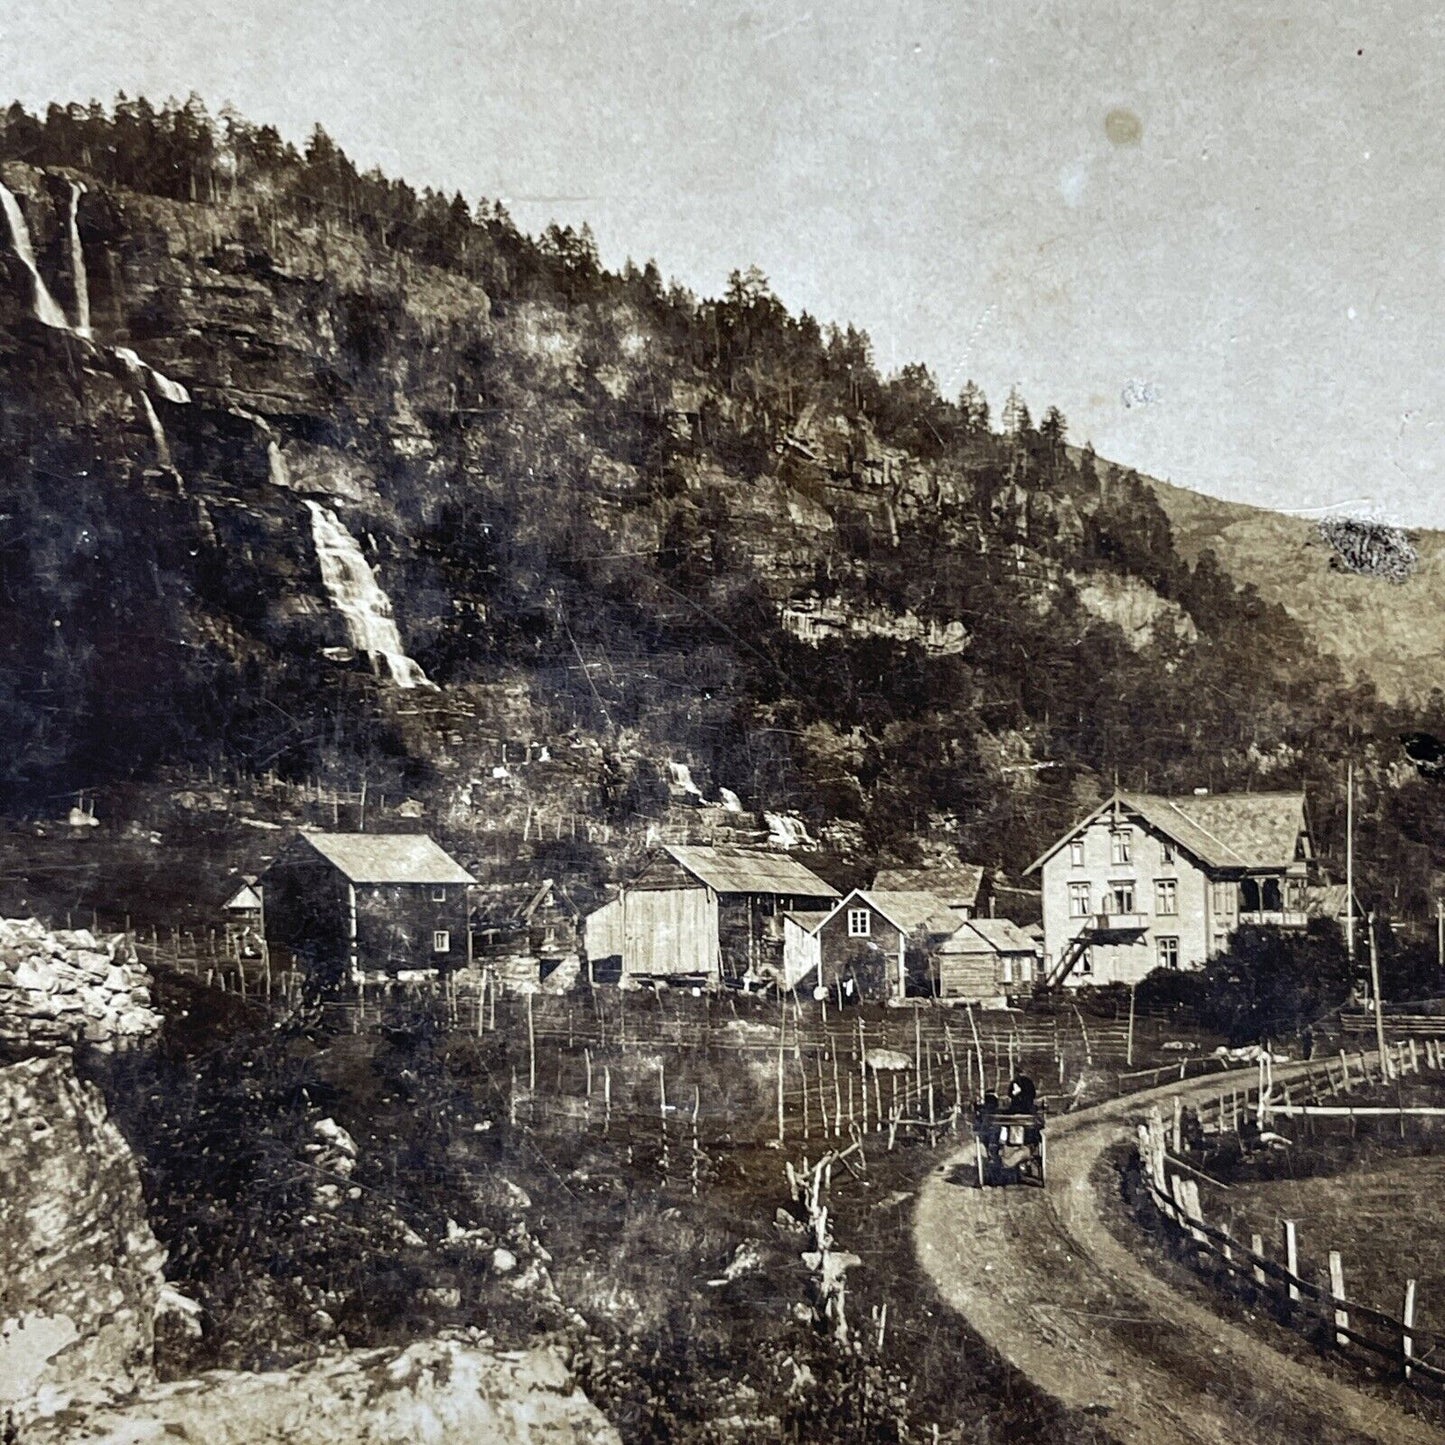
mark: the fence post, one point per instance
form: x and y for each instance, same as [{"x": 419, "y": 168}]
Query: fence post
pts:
[
  {"x": 1256, "y": 1247},
  {"x": 1291, "y": 1258},
  {"x": 1407, "y": 1319},
  {"x": 1192, "y": 1208},
  {"x": 1337, "y": 1291}
]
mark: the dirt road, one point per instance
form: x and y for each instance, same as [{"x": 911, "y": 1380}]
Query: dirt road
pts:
[{"x": 1039, "y": 1276}]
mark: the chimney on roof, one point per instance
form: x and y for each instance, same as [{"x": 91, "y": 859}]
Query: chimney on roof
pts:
[{"x": 1201, "y": 792}]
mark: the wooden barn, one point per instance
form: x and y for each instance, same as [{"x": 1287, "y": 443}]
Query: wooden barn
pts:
[
  {"x": 986, "y": 960},
  {"x": 343, "y": 904},
  {"x": 882, "y": 942},
  {"x": 704, "y": 913}
]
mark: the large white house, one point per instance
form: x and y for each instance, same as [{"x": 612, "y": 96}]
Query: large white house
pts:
[{"x": 1146, "y": 881}]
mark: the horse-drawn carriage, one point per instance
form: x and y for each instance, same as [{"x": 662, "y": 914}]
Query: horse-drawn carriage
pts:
[{"x": 1009, "y": 1141}]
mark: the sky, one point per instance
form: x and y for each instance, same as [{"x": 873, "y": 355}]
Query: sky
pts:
[{"x": 1210, "y": 233}]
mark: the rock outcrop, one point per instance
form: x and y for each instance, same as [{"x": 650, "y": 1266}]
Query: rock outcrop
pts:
[
  {"x": 59, "y": 989},
  {"x": 80, "y": 1270},
  {"x": 446, "y": 1390}
]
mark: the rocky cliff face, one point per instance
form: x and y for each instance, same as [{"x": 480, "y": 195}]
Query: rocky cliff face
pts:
[{"x": 80, "y": 1270}]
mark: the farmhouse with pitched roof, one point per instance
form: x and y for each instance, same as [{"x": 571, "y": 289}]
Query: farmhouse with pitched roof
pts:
[
  {"x": 1147, "y": 881},
  {"x": 345, "y": 903}
]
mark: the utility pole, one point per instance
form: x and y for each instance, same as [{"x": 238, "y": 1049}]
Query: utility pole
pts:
[{"x": 1385, "y": 1069}]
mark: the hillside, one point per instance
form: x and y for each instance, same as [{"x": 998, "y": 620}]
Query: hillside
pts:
[
  {"x": 1382, "y": 632},
  {"x": 312, "y": 483}
]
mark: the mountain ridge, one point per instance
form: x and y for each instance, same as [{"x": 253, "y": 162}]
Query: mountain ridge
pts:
[{"x": 637, "y": 525}]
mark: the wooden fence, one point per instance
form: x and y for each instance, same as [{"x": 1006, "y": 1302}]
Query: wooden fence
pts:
[{"x": 1315, "y": 1300}]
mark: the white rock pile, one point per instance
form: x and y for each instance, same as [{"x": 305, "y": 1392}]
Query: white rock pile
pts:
[{"x": 67, "y": 987}]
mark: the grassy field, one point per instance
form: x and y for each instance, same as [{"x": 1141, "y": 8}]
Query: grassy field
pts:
[{"x": 1381, "y": 1212}]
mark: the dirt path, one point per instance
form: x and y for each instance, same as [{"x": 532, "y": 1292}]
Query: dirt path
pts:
[{"x": 1039, "y": 1276}]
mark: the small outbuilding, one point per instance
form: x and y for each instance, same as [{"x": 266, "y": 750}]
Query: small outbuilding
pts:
[
  {"x": 986, "y": 960},
  {"x": 345, "y": 903}
]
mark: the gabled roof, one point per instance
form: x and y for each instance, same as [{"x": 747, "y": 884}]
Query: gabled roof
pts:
[
  {"x": 989, "y": 936},
  {"x": 1222, "y": 830},
  {"x": 387, "y": 857},
  {"x": 909, "y": 911},
  {"x": 955, "y": 884},
  {"x": 246, "y": 897},
  {"x": 745, "y": 870}
]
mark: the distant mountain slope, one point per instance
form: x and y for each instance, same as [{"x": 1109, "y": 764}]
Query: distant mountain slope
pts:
[{"x": 1387, "y": 633}]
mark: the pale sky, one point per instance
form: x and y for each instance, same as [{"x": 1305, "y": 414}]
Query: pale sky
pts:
[{"x": 1212, "y": 235}]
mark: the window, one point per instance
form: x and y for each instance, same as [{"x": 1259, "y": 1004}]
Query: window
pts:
[
  {"x": 1166, "y": 852},
  {"x": 1006, "y": 970},
  {"x": 1222, "y": 897},
  {"x": 859, "y": 923},
  {"x": 441, "y": 941},
  {"x": 1121, "y": 898},
  {"x": 1078, "y": 900},
  {"x": 1168, "y": 953},
  {"x": 1026, "y": 969},
  {"x": 1086, "y": 963},
  {"x": 1166, "y": 896},
  {"x": 1076, "y": 853},
  {"x": 1121, "y": 846},
  {"x": 1221, "y": 942},
  {"x": 439, "y": 895}
]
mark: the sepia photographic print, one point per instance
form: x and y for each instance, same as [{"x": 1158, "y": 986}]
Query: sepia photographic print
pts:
[{"x": 721, "y": 723}]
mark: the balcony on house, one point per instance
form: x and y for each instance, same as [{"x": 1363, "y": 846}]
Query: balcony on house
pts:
[
  {"x": 1275, "y": 918},
  {"x": 1117, "y": 922},
  {"x": 1272, "y": 903}
]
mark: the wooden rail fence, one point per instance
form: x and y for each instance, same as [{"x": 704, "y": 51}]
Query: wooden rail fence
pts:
[{"x": 1309, "y": 1299}]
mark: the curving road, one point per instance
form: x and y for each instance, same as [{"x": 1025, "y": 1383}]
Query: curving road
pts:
[{"x": 1039, "y": 1276}]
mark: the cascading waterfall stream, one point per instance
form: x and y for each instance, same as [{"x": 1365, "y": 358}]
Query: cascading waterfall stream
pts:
[
  {"x": 77, "y": 264},
  {"x": 46, "y": 308},
  {"x": 158, "y": 432},
  {"x": 356, "y": 594}
]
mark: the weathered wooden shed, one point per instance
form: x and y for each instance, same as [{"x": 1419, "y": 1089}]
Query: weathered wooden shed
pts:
[
  {"x": 986, "y": 960},
  {"x": 343, "y": 903}
]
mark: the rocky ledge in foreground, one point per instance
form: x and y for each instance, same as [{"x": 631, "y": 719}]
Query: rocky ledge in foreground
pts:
[{"x": 440, "y": 1390}]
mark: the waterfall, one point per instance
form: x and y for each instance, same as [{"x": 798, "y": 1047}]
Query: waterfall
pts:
[
  {"x": 147, "y": 377},
  {"x": 353, "y": 588},
  {"x": 163, "y": 447},
  {"x": 77, "y": 265},
  {"x": 276, "y": 468},
  {"x": 46, "y": 309}
]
